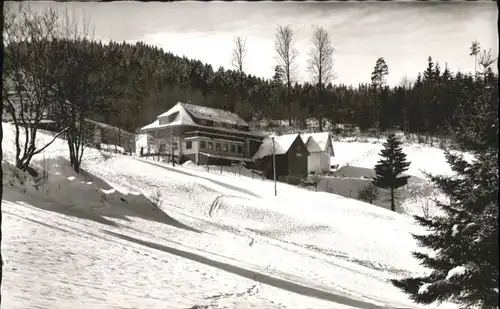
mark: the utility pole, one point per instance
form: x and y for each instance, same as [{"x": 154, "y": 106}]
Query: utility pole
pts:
[
  {"x": 274, "y": 169},
  {"x": 172, "y": 147}
]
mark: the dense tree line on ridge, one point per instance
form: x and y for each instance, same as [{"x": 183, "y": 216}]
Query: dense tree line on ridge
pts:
[
  {"x": 149, "y": 81},
  {"x": 154, "y": 81}
]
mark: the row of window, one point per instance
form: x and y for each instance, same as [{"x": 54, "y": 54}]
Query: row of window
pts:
[
  {"x": 218, "y": 146},
  {"x": 216, "y": 124}
]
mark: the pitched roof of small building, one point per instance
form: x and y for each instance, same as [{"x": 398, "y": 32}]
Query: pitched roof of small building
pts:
[
  {"x": 320, "y": 139},
  {"x": 109, "y": 127},
  {"x": 311, "y": 144},
  {"x": 282, "y": 144}
]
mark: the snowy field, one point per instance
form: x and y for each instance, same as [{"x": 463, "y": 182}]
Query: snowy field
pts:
[
  {"x": 424, "y": 158},
  {"x": 216, "y": 240}
]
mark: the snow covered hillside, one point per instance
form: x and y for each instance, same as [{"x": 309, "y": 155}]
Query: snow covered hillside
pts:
[
  {"x": 94, "y": 240},
  {"x": 423, "y": 158}
]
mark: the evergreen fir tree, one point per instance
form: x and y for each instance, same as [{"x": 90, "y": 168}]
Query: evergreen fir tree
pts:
[
  {"x": 463, "y": 242},
  {"x": 389, "y": 168}
]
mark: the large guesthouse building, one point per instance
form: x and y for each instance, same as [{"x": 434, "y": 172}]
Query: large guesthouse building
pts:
[{"x": 201, "y": 134}]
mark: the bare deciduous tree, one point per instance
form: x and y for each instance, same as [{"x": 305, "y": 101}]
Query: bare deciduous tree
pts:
[
  {"x": 406, "y": 84},
  {"x": 286, "y": 57},
  {"x": 28, "y": 64},
  {"x": 320, "y": 64},
  {"x": 83, "y": 85},
  {"x": 422, "y": 200},
  {"x": 238, "y": 59}
]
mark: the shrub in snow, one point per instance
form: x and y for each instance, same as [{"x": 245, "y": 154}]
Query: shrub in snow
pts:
[
  {"x": 106, "y": 155},
  {"x": 17, "y": 177},
  {"x": 422, "y": 200},
  {"x": 103, "y": 198},
  {"x": 40, "y": 180},
  {"x": 156, "y": 199},
  {"x": 368, "y": 193}
]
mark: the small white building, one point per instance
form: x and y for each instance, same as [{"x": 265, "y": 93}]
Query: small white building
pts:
[{"x": 320, "y": 147}]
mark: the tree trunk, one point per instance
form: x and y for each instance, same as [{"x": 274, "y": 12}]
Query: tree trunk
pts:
[
  {"x": 289, "y": 106},
  {"x": 76, "y": 167},
  {"x": 393, "y": 204},
  {"x": 320, "y": 115},
  {"x": 72, "y": 155}
]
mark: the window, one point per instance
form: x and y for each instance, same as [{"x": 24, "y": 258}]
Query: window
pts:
[
  {"x": 202, "y": 144},
  {"x": 210, "y": 146},
  {"x": 224, "y": 147},
  {"x": 217, "y": 147},
  {"x": 173, "y": 117},
  {"x": 189, "y": 145},
  {"x": 233, "y": 148},
  {"x": 240, "y": 149}
]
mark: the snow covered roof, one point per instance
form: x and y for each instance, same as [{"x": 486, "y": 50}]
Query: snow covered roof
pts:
[
  {"x": 282, "y": 144},
  {"x": 321, "y": 139},
  {"x": 184, "y": 118},
  {"x": 108, "y": 126},
  {"x": 208, "y": 113},
  {"x": 311, "y": 144},
  {"x": 154, "y": 125}
]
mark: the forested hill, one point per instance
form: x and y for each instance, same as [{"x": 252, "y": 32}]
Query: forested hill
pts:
[{"x": 152, "y": 80}]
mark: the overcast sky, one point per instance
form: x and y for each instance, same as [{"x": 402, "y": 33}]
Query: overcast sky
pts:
[{"x": 405, "y": 34}]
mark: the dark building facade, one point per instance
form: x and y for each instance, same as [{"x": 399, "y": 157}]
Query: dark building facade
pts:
[{"x": 290, "y": 154}]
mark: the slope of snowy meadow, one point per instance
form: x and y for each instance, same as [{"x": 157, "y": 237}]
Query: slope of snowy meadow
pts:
[
  {"x": 220, "y": 240},
  {"x": 424, "y": 158}
]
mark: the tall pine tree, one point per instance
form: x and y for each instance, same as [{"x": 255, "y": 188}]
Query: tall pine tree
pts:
[
  {"x": 389, "y": 168},
  {"x": 463, "y": 242}
]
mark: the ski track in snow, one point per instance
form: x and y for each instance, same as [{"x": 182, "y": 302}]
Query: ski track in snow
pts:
[{"x": 299, "y": 249}]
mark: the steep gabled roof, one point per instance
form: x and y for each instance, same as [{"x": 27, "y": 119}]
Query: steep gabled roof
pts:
[
  {"x": 208, "y": 113},
  {"x": 320, "y": 138},
  {"x": 311, "y": 144},
  {"x": 184, "y": 118},
  {"x": 282, "y": 144},
  {"x": 154, "y": 125}
]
